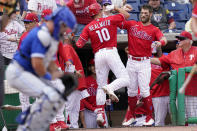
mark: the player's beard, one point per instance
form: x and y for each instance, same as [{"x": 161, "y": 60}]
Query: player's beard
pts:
[{"x": 145, "y": 19}]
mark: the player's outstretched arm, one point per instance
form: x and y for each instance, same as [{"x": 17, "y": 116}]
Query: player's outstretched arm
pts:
[
  {"x": 122, "y": 11},
  {"x": 80, "y": 43}
]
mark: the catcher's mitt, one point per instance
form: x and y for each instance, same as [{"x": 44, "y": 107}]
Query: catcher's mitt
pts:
[{"x": 70, "y": 82}]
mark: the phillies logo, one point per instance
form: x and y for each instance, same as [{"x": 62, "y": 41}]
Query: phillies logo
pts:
[
  {"x": 10, "y": 32},
  {"x": 92, "y": 91},
  {"x": 140, "y": 34}
]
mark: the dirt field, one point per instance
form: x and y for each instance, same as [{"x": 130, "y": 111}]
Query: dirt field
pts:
[{"x": 167, "y": 128}]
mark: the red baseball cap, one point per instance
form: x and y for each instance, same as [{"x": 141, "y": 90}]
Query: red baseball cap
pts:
[
  {"x": 31, "y": 17},
  {"x": 46, "y": 12},
  {"x": 184, "y": 35}
]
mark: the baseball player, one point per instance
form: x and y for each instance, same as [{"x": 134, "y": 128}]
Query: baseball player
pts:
[
  {"x": 33, "y": 67},
  {"x": 160, "y": 92},
  {"x": 140, "y": 112},
  {"x": 140, "y": 37},
  {"x": 185, "y": 55},
  {"x": 69, "y": 62},
  {"x": 30, "y": 21},
  {"x": 88, "y": 105},
  {"x": 9, "y": 38},
  {"x": 103, "y": 36},
  {"x": 80, "y": 9},
  {"x": 38, "y": 6}
]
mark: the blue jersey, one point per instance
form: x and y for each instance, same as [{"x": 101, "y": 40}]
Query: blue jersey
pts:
[{"x": 38, "y": 43}]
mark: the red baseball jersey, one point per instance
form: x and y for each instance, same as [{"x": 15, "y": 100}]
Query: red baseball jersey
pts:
[
  {"x": 140, "y": 37},
  {"x": 91, "y": 88},
  {"x": 68, "y": 53},
  {"x": 22, "y": 37},
  {"x": 90, "y": 102},
  {"x": 177, "y": 59},
  {"x": 194, "y": 12},
  {"x": 163, "y": 88},
  {"x": 102, "y": 32},
  {"x": 81, "y": 12}
]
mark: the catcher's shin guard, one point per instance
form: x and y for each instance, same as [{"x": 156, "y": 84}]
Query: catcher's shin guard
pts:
[{"x": 45, "y": 109}]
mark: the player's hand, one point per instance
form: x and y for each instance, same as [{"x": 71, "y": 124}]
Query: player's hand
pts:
[
  {"x": 157, "y": 44},
  {"x": 56, "y": 74},
  {"x": 127, "y": 8},
  {"x": 139, "y": 103},
  {"x": 78, "y": 73}
]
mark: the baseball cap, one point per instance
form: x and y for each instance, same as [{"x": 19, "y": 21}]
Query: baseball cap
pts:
[
  {"x": 184, "y": 35},
  {"x": 46, "y": 12},
  {"x": 31, "y": 17},
  {"x": 106, "y": 2}
]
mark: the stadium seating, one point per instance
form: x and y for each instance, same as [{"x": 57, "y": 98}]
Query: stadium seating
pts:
[
  {"x": 135, "y": 6},
  {"x": 180, "y": 15},
  {"x": 180, "y": 25}
]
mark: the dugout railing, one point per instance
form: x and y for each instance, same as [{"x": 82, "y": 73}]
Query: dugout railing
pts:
[{"x": 177, "y": 100}]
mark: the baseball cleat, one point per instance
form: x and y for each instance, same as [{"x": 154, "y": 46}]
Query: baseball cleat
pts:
[
  {"x": 101, "y": 119},
  {"x": 129, "y": 122},
  {"x": 63, "y": 125},
  {"x": 111, "y": 94},
  {"x": 149, "y": 122}
]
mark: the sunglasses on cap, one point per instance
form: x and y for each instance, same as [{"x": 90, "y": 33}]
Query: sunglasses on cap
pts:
[
  {"x": 28, "y": 22},
  {"x": 106, "y": 4},
  {"x": 180, "y": 39}
]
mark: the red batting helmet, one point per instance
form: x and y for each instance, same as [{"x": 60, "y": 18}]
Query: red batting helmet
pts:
[{"x": 94, "y": 9}]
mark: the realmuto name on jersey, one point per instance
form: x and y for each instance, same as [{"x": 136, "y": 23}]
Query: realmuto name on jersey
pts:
[
  {"x": 99, "y": 25},
  {"x": 140, "y": 34}
]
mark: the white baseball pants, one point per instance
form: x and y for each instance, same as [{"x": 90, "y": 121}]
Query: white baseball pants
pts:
[
  {"x": 161, "y": 108},
  {"x": 90, "y": 119},
  {"x": 106, "y": 60},
  {"x": 73, "y": 108},
  {"x": 140, "y": 74}
]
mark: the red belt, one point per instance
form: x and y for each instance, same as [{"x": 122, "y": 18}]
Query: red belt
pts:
[{"x": 138, "y": 58}]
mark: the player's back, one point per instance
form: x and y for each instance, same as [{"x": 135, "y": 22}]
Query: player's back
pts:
[
  {"x": 103, "y": 32},
  {"x": 23, "y": 56}
]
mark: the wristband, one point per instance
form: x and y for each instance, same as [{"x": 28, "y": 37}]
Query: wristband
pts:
[
  {"x": 162, "y": 42},
  {"x": 47, "y": 76}
]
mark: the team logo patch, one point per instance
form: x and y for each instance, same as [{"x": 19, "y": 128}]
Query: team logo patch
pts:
[{"x": 157, "y": 17}]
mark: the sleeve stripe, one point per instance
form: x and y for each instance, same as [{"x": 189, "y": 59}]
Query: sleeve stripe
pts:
[
  {"x": 83, "y": 38},
  {"x": 37, "y": 55},
  {"x": 194, "y": 15}
]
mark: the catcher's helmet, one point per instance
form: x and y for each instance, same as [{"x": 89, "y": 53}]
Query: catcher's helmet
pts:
[
  {"x": 59, "y": 16},
  {"x": 94, "y": 9}
]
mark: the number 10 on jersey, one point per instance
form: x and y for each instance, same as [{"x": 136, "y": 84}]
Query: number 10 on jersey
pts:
[{"x": 103, "y": 35}]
